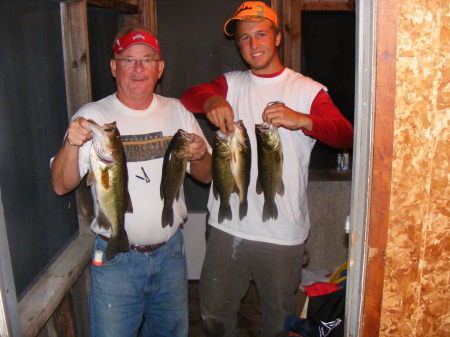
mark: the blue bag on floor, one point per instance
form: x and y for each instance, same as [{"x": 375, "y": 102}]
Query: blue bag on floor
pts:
[{"x": 297, "y": 325}]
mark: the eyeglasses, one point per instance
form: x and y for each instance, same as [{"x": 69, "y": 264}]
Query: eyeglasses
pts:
[{"x": 131, "y": 62}]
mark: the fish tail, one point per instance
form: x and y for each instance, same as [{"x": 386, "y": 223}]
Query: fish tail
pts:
[
  {"x": 116, "y": 245},
  {"x": 243, "y": 207},
  {"x": 167, "y": 216},
  {"x": 224, "y": 212},
  {"x": 270, "y": 210}
]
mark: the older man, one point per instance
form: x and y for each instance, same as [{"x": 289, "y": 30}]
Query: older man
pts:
[{"x": 149, "y": 282}]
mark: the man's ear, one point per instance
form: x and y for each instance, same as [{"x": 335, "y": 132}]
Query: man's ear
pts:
[
  {"x": 160, "y": 68},
  {"x": 278, "y": 39},
  {"x": 113, "y": 66}
]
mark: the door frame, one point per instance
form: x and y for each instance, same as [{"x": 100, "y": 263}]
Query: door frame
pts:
[{"x": 362, "y": 164}]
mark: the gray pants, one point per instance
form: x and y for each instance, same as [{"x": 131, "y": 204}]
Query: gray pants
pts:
[{"x": 229, "y": 264}]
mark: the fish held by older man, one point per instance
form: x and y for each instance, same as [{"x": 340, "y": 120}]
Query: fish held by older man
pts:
[
  {"x": 223, "y": 180},
  {"x": 240, "y": 163},
  {"x": 173, "y": 173},
  {"x": 108, "y": 175},
  {"x": 270, "y": 167}
]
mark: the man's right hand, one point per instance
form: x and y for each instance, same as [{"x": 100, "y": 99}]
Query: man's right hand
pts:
[
  {"x": 65, "y": 171},
  {"x": 79, "y": 132},
  {"x": 219, "y": 112}
]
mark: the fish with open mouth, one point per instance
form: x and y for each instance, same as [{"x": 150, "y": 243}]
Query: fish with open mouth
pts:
[{"x": 108, "y": 174}]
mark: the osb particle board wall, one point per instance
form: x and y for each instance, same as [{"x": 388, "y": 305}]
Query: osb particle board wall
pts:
[{"x": 416, "y": 296}]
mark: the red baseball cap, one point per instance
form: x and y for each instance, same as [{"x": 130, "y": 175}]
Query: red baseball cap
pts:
[
  {"x": 252, "y": 11},
  {"x": 137, "y": 37}
]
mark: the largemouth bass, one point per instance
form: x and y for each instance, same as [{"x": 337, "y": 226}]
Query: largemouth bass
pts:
[
  {"x": 240, "y": 162},
  {"x": 223, "y": 181},
  {"x": 108, "y": 174},
  {"x": 270, "y": 167},
  {"x": 173, "y": 173}
]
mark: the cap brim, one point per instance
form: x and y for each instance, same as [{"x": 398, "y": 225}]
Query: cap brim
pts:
[
  {"x": 230, "y": 27},
  {"x": 143, "y": 43}
]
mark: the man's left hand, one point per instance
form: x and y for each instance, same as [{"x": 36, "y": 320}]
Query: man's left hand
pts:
[
  {"x": 280, "y": 115},
  {"x": 197, "y": 149}
]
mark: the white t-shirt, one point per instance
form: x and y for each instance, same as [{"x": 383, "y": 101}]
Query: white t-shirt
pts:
[
  {"x": 145, "y": 135},
  {"x": 249, "y": 95}
]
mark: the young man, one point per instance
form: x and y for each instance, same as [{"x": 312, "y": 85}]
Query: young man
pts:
[
  {"x": 150, "y": 281},
  {"x": 269, "y": 251}
]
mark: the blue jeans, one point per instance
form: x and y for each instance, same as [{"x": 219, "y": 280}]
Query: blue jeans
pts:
[{"x": 147, "y": 290}]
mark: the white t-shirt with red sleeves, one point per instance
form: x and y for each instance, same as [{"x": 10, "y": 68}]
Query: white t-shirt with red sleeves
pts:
[{"x": 248, "y": 95}]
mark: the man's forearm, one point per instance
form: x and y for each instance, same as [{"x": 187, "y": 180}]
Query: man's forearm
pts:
[
  {"x": 64, "y": 169},
  {"x": 201, "y": 169},
  {"x": 328, "y": 124},
  {"x": 194, "y": 98}
]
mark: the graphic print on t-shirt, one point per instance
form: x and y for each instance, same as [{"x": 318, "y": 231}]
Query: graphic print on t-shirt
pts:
[{"x": 145, "y": 147}]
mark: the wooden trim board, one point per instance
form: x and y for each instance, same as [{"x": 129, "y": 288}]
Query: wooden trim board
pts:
[
  {"x": 46, "y": 294},
  {"x": 383, "y": 130}
]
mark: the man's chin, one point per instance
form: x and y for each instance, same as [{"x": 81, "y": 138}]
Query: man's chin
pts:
[{"x": 140, "y": 88}]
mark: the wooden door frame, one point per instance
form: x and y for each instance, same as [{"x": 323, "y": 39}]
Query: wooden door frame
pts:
[
  {"x": 362, "y": 166},
  {"x": 384, "y": 91},
  {"x": 376, "y": 23},
  {"x": 371, "y": 186}
]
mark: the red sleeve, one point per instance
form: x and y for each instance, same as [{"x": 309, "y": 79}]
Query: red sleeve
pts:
[
  {"x": 329, "y": 125},
  {"x": 194, "y": 98}
]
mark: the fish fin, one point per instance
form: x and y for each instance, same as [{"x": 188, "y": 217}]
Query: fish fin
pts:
[
  {"x": 224, "y": 212},
  {"x": 243, "y": 207},
  {"x": 117, "y": 244},
  {"x": 270, "y": 210},
  {"x": 167, "y": 216},
  {"x": 129, "y": 203},
  {"x": 233, "y": 156},
  {"x": 280, "y": 187},
  {"x": 105, "y": 178},
  {"x": 90, "y": 178},
  {"x": 215, "y": 191},
  {"x": 102, "y": 220},
  {"x": 236, "y": 189},
  {"x": 161, "y": 187},
  {"x": 259, "y": 189}
]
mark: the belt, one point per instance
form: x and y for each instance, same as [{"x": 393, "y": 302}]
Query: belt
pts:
[{"x": 138, "y": 248}]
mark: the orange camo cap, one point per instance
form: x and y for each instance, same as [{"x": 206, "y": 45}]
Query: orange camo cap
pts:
[{"x": 252, "y": 11}]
